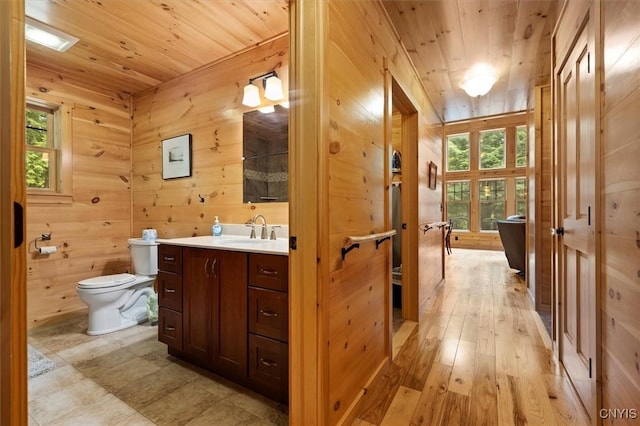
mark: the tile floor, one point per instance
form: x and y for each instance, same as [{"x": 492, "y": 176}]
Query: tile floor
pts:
[{"x": 127, "y": 378}]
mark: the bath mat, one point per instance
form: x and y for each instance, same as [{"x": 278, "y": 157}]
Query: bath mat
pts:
[{"x": 37, "y": 363}]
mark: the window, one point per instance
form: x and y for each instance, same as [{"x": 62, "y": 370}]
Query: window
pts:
[
  {"x": 485, "y": 177},
  {"x": 458, "y": 152},
  {"x": 521, "y": 146},
  {"x": 521, "y": 195},
  {"x": 40, "y": 150},
  {"x": 492, "y": 152},
  {"x": 492, "y": 203},
  {"x": 48, "y": 175},
  {"x": 458, "y": 204}
]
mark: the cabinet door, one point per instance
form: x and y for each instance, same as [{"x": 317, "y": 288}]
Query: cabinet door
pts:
[
  {"x": 198, "y": 281},
  {"x": 229, "y": 322}
]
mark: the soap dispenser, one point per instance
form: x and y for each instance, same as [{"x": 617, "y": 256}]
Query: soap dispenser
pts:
[{"x": 216, "y": 229}]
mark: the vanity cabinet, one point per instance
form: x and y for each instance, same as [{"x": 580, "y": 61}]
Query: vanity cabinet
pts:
[
  {"x": 269, "y": 325},
  {"x": 228, "y": 312},
  {"x": 215, "y": 294},
  {"x": 170, "y": 296}
]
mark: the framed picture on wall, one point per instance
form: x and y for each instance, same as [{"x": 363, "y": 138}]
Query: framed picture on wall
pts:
[
  {"x": 433, "y": 174},
  {"x": 176, "y": 157}
]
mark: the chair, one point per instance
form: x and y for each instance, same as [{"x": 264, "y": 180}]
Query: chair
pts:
[
  {"x": 513, "y": 235},
  {"x": 447, "y": 237}
]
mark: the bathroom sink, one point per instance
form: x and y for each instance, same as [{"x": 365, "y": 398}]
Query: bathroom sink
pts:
[{"x": 233, "y": 242}]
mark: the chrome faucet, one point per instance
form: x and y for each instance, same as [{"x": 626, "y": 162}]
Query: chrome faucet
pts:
[{"x": 263, "y": 234}]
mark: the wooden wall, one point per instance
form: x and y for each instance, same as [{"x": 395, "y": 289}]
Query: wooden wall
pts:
[
  {"x": 539, "y": 275},
  {"x": 208, "y": 104},
  {"x": 430, "y": 210},
  {"x": 620, "y": 284},
  {"x": 91, "y": 232},
  {"x": 354, "y": 298}
]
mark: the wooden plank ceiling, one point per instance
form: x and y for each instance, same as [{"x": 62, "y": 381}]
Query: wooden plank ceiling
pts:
[
  {"x": 131, "y": 45},
  {"x": 446, "y": 37}
]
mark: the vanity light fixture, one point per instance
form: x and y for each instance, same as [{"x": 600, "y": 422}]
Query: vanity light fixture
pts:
[
  {"x": 272, "y": 89},
  {"x": 479, "y": 80},
  {"x": 47, "y": 36}
]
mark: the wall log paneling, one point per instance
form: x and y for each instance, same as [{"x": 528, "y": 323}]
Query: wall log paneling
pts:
[
  {"x": 621, "y": 204},
  {"x": 90, "y": 233},
  {"x": 355, "y": 299},
  {"x": 539, "y": 200},
  {"x": 207, "y": 104}
]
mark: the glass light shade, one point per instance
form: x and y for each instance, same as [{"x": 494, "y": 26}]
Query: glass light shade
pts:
[
  {"x": 47, "y": 36},
  {"x": 251, "y": 96},
  {"x": 479, "y": 80},
  {"x": 273, "y": 89}
]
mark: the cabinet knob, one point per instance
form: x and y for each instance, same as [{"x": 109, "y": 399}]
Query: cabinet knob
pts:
[
  {"x": 268, "y": 313},
  {"x": 169, "y": 328},
  {"x": 169, "y": 258},
  {"x": 169, "y": 290}
]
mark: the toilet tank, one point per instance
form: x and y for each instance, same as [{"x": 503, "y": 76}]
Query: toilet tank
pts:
[{"x": 144, "y": 256}]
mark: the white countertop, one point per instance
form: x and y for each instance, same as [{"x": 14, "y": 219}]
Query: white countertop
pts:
[{"x": 278, "y": 246}]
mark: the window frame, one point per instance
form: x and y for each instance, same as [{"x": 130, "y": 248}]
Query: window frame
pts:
[
  {"x": 467, "y": 202},
  {"x": 61, "y": 173},
  {"x": 469, "y": 151},
  {"x": 515, "y": 147},
  {"x": 475, "y": 236},
  {"x": 503, "y": 200},
  {"x": 504, "y": 149}
]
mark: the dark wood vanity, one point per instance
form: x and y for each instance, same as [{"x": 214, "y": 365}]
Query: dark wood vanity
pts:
[{"x": 227, "y": 311}]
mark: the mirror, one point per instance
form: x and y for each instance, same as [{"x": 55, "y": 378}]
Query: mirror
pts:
[{"x": 265, "y": 148}]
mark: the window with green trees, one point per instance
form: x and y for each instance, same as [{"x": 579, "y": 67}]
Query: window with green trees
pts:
[
  {"x": 492, "y": 203},
  {"x": 458, "y": 152},
  {"x": 521, "y": 146},
  {"x": 458, "y": 204},
  {"x": 40, "y": 149},
  {"x": 492, "y": 149},
  {"x": 521, "y": 196}
]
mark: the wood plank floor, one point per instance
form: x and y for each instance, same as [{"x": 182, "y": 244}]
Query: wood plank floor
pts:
[{"x": 480, "y": 355}]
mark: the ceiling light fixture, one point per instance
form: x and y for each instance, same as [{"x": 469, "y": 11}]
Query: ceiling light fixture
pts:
[
  {"x": 47, "y": 36},
  {"x": 272, "y": 89},
  {"x": 479, "y": 80}
]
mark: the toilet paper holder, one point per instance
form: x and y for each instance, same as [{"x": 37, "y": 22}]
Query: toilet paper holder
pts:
[{"x": 43, "y": 237}]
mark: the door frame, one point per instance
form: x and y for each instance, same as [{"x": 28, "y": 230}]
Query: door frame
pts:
[
  {"x": 13, "y": 327},
  {"x": 398, "y": 98}
]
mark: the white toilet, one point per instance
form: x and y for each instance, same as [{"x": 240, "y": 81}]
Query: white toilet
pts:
[{"x": 120, "y": 301}]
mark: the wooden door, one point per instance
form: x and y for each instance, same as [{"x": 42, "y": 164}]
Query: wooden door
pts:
[
  {"x": 197, "y": 284},
  {"x": 229, "y": 314},
  {"x": 13, "y": 270},
  {"x": 575, "y": 182}
]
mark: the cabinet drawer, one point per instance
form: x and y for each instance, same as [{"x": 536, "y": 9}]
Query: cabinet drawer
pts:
[
  {"x": 269, "y": 271},
  {"x": 170, "y": 327},
  {"x": 269, "y": 366},
  {"x": 269, "y": 313},
  {"x": 170, "y": 258},
  {"x": 170, "y": 290}
]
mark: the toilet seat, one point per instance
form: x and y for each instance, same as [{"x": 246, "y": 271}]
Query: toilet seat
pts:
[{"x": 106, "y": 281}]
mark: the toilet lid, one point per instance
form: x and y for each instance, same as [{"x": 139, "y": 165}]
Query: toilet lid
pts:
[{"x": 106, "y": 281}]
